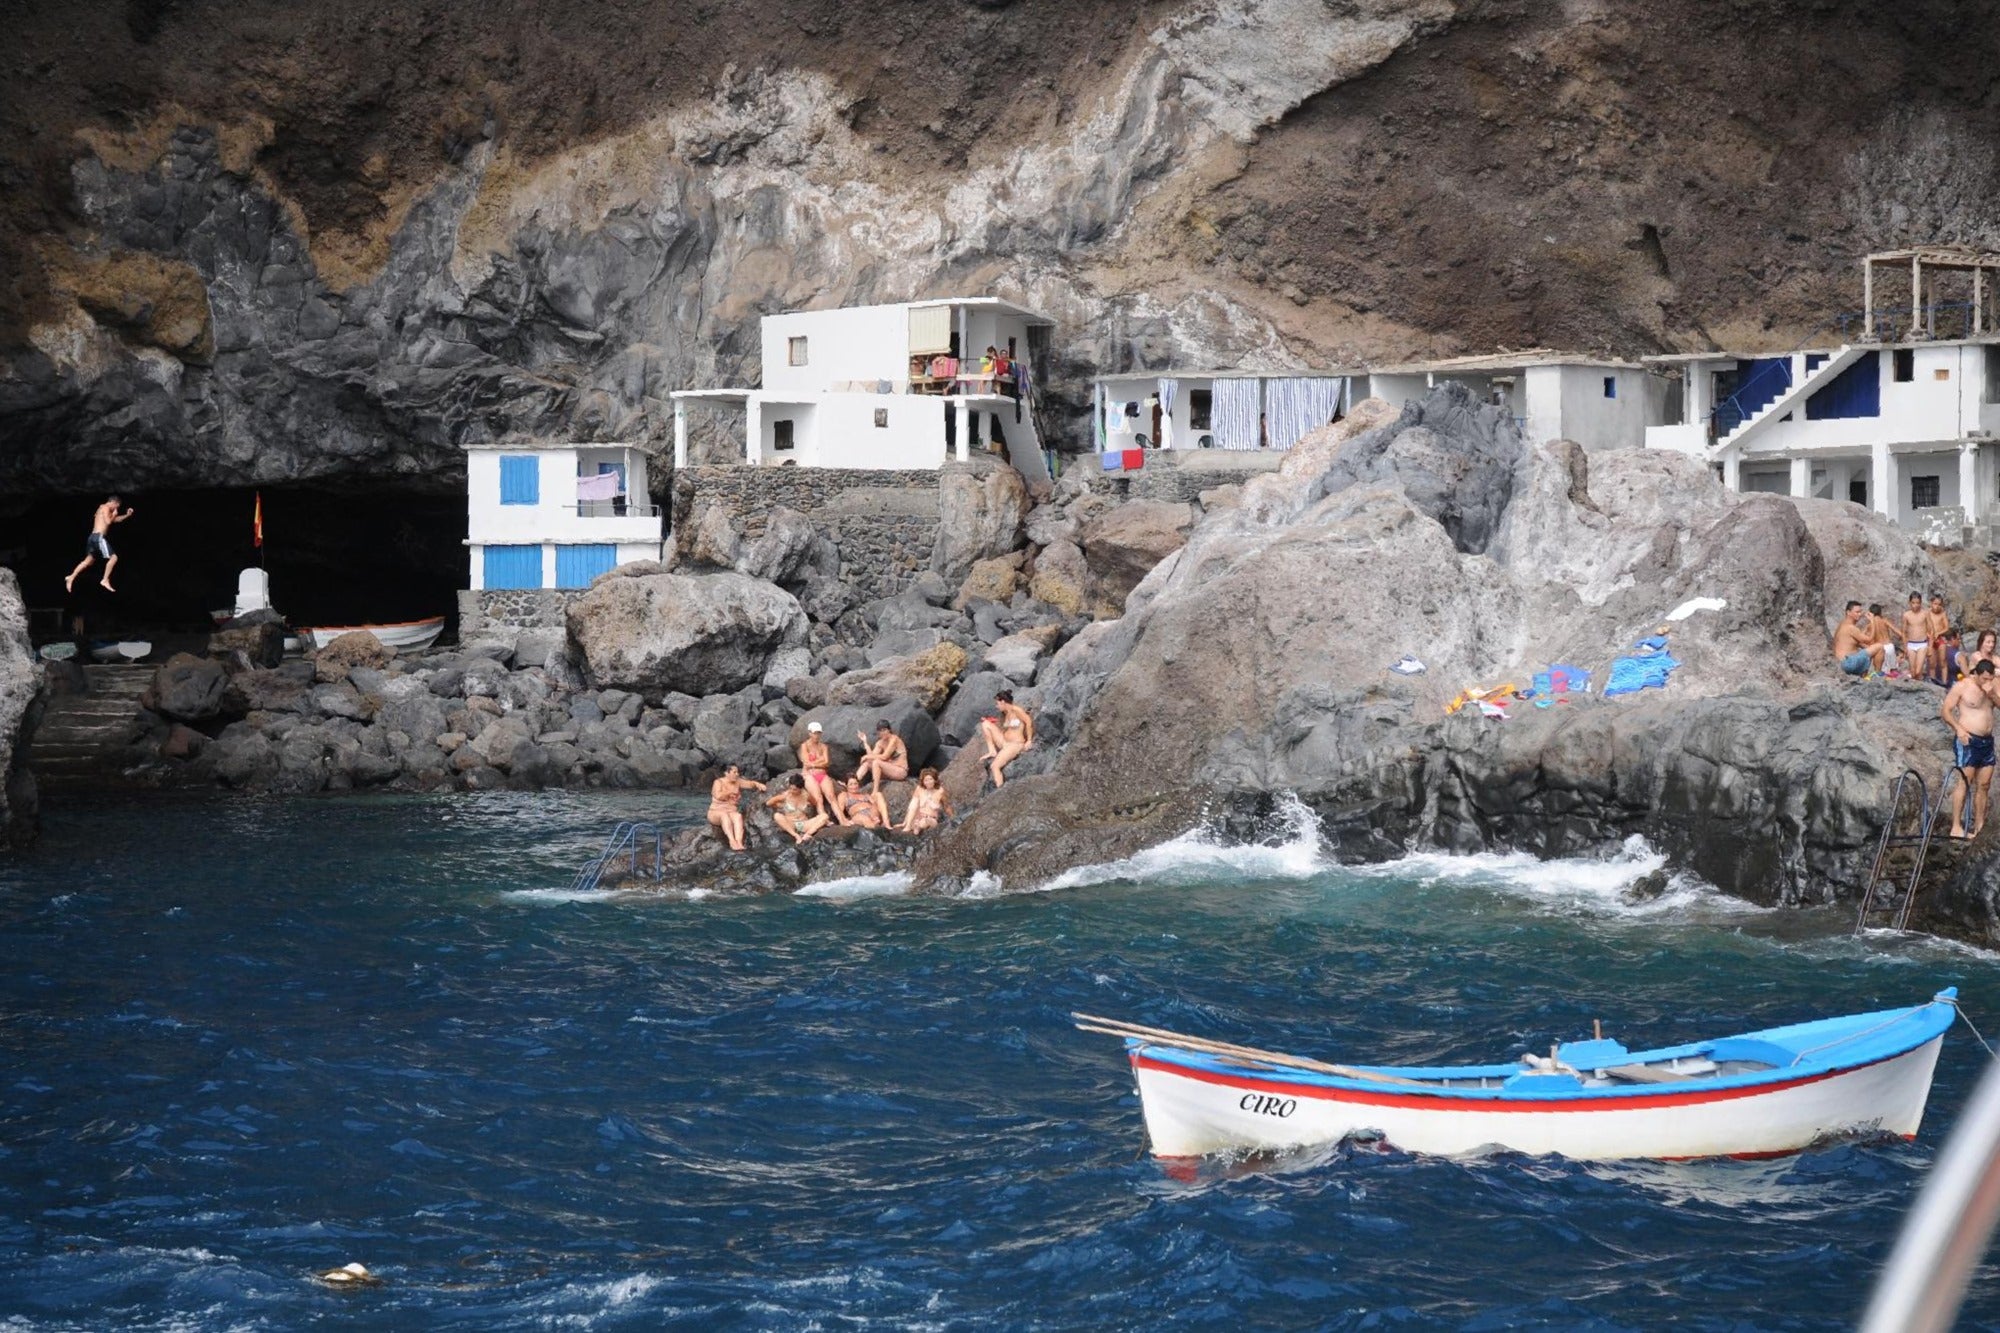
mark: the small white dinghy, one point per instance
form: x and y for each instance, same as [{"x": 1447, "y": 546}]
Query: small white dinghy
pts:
[
  {"x": 1759, "y": 1094},
  {"x": 127, "y": 650},
  {"x": 402, "y": 635}
]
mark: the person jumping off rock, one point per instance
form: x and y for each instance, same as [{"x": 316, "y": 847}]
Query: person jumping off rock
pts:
[{"x": 98, "y": 545}]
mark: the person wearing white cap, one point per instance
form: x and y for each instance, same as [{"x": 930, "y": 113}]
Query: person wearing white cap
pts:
[{"x": 814, "y": 758}]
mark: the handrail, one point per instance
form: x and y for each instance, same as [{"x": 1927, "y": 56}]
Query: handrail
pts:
[
  {"x": 1784, "y": 362},
  {"x": 628, "y": 834}
]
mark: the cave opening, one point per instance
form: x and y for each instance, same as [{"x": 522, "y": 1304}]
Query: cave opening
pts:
[{"x": 334, "y": 556}]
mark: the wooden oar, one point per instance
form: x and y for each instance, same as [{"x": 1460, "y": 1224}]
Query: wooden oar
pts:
[{"x": 1118, "y": 1027}]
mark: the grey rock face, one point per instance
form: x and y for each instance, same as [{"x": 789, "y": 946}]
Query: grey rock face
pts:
[
  {"x": 1121, "y": 545},
  {"x": 982, "y": 512},
  {"x": 21, "y": 702},
  {"x": 700, "y": 634},
  {"x": 188, "y": 688}
]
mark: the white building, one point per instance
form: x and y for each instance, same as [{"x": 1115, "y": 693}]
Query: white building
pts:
[
  {"x": 888, "y": 386},
  {"x": 556, "y": 515},
  {"x": 1901, "y": 419},
  {"x": 1551, "y": 395}
]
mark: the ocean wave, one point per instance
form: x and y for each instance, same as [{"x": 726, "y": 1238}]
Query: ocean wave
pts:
[
  {"x": 1295, "y": 850},
  {"x": 860, "y": 886},
  {"x": 1612, "y": 884}
]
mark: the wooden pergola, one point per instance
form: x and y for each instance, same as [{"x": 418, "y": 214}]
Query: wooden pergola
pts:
[{"x": 1942, "y": 258}]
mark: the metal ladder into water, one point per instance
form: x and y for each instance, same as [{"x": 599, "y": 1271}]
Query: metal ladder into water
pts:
[
  {"x": 629, "y": 838},
  {"x": 1902, "y": 841}
]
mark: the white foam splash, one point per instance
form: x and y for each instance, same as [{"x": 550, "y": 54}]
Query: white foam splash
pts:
[
  {"x": 565, "y": 895},
  {"x": 1200, "y": 855},
  {"x": 860, "y": 886},
  {"x": 1597, "y": 885}
]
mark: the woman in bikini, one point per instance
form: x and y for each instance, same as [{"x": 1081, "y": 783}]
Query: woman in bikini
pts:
[
  {"x": 725, "y": 796},
  {"x": 863, "y": 809},
  {"x": 1982, "y": 651},
  {"x": 928, "y": 803},
  {"x": 1006, "y": 735},
  {"x": 795, "y": 812},
  {"x": 813, "y": 758},
  {"x": 887, "y": 758}
]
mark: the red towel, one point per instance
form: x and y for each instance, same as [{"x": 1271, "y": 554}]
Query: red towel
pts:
[{"x": 1134, "y": 459}]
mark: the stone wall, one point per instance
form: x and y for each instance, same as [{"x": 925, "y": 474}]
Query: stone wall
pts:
[
  {"x": 883, "y": 522},
  {"x": 1179, "y": 478},
  {"x": 515, "y": 608}
]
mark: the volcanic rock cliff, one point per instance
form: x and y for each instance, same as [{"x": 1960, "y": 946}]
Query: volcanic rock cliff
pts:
[{"x": 259, "y": 242}]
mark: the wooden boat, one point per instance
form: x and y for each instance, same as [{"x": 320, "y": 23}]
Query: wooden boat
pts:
[
  {"x": 1758, "y": 1094},
  {"x": 401, "y": 635}
]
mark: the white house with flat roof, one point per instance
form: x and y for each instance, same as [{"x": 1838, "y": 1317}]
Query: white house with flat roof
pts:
[
  {"x": 1600, "y": 404},
  {"x": 556, "y": 515},
  {"x": 906, "y": 386},
  {"x": 1902, "y": 419}
]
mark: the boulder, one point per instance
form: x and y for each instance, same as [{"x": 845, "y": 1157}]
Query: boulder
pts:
[
  {"x": 722, "y": 721},
  {"x": 698, "y": 633},
  {"x": 787, "y": 664},
  {"x": 791, "y": 550},
  {"x": 187, "y": 688},
  {"x": 535, "y": 647},
  {"x": 1017, "y": 656},
  {"x": 1121, "y": 545},
  {"x": 242, "y": 756},
  {"x": 1061, "y": 577},
  {"x": 926, "y": 677},
  {"x": 285, "y": 688},
  {"x": 906, "y": 717},
  {"x": 22, "y": 699},
  {"x": 982, "y": 510},
  {"x": 958, "y": 724},
  {"x": 712, "y": 541},
  {"x": 258, "y": 635},
  {"x": 355, "y": 648},
  {"x": 995, "y": 579}
]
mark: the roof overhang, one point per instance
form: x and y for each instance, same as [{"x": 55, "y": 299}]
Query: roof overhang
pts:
[{"x": 992, "y": 304}]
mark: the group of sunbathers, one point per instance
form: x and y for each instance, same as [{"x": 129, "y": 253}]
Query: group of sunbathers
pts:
[{"x": 1921, "y": 644}]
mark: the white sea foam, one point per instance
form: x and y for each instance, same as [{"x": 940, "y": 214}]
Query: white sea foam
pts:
[
  {"x": 1603, "y": 884},
  {"x": 860, "y": 886},
  {"x": 565, "y": 895},
  {"x": 1200, "y": 855}
]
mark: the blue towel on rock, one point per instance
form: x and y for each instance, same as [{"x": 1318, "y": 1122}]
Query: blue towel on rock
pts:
[{"x": 1629, "y": 675}]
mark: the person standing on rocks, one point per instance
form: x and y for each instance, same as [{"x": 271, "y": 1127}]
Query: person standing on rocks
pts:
[
  {"x": 1917, "y": 636},
  {"x": 887, "y": 758},
  {"x": 1940, "y": 630},
  {"x": 1881, "y": 637},
  {"x": 725, "y": 810},
  {"x": 1851, "y": 646},
  {"x": 98, "y": 545},
  {"x": 1968, "y": 711},
  {"x": 814, "y": 758}
]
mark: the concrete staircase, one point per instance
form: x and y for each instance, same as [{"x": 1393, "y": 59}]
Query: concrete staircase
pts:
[
  {"x": 85, "y": 735},
  {"x": 1792, "y": 396}
]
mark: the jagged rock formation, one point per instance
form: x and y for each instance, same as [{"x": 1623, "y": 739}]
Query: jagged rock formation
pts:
[
  {"x": 261, "y": 243},
  {"x": 1255, "y": 662},
  {"x": 21, "y": 701}
]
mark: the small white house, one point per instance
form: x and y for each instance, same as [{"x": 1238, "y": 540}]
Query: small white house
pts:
[
  {"x": 556, "y": 515},
  {"x": 889, "y": 386},
  {"x": 1600, "y": 404}
]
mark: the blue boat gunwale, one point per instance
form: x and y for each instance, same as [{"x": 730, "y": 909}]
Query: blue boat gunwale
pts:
[{"x": 1822, "y": 1046}]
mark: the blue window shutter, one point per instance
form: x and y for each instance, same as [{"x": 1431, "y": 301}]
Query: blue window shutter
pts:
[
  {"x": 513, "y": 566},
  {"x": 576, "y": 566},
  {"x": 520, "y": 479}
]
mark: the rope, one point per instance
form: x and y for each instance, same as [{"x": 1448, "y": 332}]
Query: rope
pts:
[
  {"x": 1953, "y": 1002},
  {"x": 1890, "y": 1021}
]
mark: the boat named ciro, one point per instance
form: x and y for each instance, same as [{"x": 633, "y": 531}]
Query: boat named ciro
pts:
[{"x": 1761, "y": 1093}]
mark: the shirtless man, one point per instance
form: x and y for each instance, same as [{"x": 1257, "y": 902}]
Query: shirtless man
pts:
[
  {"x": 887, "y": 757},
  {"x": 1968, "y": 711},
  {"x": 98, "y": 545},
  {"x": 1917, "y": 634},
  {"x": 1851, "y": 647},
  {"x": 1881, "y": 635}
]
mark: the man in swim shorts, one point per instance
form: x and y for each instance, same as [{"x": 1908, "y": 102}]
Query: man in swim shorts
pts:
[
  {"x": 1851, "y": 649},
  {"x": 1968, "y": 711},
  {"x": 1917, "y": 635},
  {"x": 98, "y": 545}
]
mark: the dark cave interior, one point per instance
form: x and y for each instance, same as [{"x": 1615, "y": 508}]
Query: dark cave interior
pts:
[{"x": 345, "y": 556}]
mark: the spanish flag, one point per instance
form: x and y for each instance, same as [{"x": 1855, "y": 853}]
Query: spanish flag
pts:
[{"x": 257, "y": 521}]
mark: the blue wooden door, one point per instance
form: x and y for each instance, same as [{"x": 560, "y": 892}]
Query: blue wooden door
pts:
[
  {"x": 576, "y": 566},
  {"x": 513, "y": 566}
]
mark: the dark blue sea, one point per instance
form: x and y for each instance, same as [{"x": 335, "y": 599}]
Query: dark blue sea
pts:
[{"x": 249, "y": 1040}]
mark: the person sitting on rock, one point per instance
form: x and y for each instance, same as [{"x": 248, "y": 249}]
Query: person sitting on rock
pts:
[
  {"x": 795, "y": 813},
  {"x": 814, "y": 758},
  {"x": 1882, "y": 634},
  {"x": 1007, "y": 734},
  {"x": 887, "y": 758},
  {"x": 928, "y": 804},
  {"x": 725, "y": 797},
  {"x": 864, "y": 809},
  {"x": 1852, "y": 648}
]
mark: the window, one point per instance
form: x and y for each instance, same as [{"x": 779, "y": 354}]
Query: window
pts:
[
  {"x": 1992, "y": 374},
  {"x": 1904, "y": 364},
  {"x": 796, "y": 351},
  {"x": 1941, "y": 373},
  {"x": 881, "y": 418},
  {"x": 513, "y": 566},
  {"x": 1857, "y": 490},
  {"x": 1610, "y": 386},
  {"x": 1201, "y": 403},
  {"x": 1923, "y": 492},
  {"x": 576, "y": 566},
  {"x": 520, "y": 479},
  {"x": 781, "y": 436}
]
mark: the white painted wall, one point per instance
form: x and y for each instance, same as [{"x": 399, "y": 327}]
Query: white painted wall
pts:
[
  {"x": 1941, "y": 464},
  {"x": 857, "y": 343},
  {"x": 554, "y": 517},
  {"x": 1396, "y": 390},
  {"x": 1599, "y": 423},
  {"x": 1921, "y": 410}
]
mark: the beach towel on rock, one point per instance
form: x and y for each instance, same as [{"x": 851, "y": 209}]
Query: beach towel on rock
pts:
[{"x": 1629, "y": 675}]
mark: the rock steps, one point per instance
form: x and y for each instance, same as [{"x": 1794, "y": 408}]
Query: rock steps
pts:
[{"x": 86, "y": 735}]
